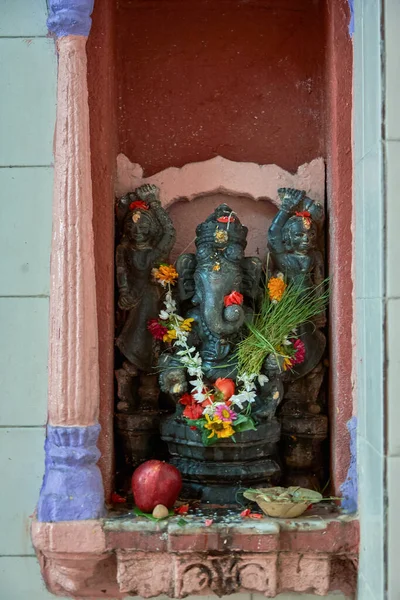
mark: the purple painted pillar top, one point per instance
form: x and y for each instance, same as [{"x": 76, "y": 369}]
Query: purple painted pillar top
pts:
[{"x": 70, "y": 17}]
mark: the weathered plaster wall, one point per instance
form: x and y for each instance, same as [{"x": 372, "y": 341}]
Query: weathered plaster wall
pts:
[
  {"x": 243, "y": 80},
  {"x": 259, "y": 81}
]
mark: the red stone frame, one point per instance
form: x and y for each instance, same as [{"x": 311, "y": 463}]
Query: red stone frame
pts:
[{"x": 102, "y": 558}]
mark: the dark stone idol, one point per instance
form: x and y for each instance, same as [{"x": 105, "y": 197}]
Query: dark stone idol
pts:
[
  {"x": 215, "y": 473},
  {"x": 295, "y": 240},
  {"x": 146, "y": 239}
]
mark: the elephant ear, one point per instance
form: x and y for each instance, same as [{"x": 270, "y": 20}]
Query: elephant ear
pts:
[
  {"x": 186, "y": 265},
  {"x": 252, "y": 269}
]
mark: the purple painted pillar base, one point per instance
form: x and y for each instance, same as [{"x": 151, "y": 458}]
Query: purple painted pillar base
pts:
[
  {"x": 72, "y": 487},
  {"x": 349, "y": 488}
]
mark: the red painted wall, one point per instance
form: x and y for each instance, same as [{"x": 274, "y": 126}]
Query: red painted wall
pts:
[{"x": 198, "y": 78}]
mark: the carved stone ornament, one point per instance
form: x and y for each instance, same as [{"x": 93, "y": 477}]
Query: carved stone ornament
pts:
[{"x": 147, "y": 560}]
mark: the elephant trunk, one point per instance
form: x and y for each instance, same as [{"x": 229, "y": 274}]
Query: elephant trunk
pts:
[{"x": 222, "y": 320}]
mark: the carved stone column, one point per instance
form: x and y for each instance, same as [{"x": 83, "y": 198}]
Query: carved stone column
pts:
[{"x": 72, "y": 487}]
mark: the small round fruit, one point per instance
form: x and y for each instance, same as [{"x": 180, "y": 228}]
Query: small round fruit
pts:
[
  {"x": 226, "y": 386},
  {"x": 160, "y": 512},
  {"x": 156, "y": 482}
]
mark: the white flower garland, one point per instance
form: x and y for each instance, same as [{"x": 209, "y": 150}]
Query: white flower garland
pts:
[{"x": 191, "y": 360}]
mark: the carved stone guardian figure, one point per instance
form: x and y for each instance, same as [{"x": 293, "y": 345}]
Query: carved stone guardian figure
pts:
[
  {"x": 147, "y": 236},
  {"x": 295, "y": 242}
]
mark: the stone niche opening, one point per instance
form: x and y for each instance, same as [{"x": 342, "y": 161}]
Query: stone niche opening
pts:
[
  {"x": 174, "y": 86},
  {"x": 297, "y": 426}
]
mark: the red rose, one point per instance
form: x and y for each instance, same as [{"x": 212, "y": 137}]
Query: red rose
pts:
[
  {"x": 156, "y": 329},
  {"x": 233, "y": 298},
  {"x": 193, "y": 412},
  {"x": 138, "y": 204},
  {"x": 226, "y": 386},
  {"x": 193, "y": 428},
  {"x": 187, "y": 400}
]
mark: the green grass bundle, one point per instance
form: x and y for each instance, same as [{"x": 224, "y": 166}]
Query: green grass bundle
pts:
[{"x": 284, "y": 309}]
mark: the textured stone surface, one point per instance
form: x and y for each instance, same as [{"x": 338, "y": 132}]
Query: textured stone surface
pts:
[
  {"x": 119, "y": 556},
  {"x": 73, "y": 344}
]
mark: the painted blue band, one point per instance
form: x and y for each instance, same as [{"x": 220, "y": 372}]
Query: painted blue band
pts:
[
  {"x": 349, "y": 488},
  {"x": 70, "y": 17},
  {"x": 72, "y": 486}
]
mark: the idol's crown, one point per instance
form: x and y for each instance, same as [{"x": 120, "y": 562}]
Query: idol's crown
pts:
[{"x": 222, "y": 227}]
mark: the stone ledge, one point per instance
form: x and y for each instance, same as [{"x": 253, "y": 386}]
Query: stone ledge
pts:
[{"x": 117, "y": 556}]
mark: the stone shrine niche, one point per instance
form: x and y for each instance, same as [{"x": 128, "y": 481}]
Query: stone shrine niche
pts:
[{"x": 226, "y": 228}]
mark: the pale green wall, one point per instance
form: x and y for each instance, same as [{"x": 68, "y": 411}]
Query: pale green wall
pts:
[{"x": 27, "y": 114}]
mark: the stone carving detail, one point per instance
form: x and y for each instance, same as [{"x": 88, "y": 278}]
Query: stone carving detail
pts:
[
  {"x": 109, "y": 559},
  {"x": 225, "y": 575},
  {"x": 206, "y": 279},
  {"x": 295, "y": 241},
  {"x": 146, "y": 238},
  {"x": 145, "y": 574},
  {"x": 80, "y": 574},
  {"x": 149, "y": 574}
]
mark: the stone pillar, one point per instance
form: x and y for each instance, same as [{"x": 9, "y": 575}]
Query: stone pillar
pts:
[{"x": 72, "y": 486}]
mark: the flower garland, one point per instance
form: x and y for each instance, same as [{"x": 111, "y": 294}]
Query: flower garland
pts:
[{"x": 218, "y": 412}]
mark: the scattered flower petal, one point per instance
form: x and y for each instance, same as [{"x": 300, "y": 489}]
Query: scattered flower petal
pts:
[
  {"x": 117, "y": 499},
  {"x": 182, "y": 510}
]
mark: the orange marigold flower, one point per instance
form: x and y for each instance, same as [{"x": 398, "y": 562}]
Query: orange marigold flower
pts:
[
  {"x": 166, "y": 274},
  {"x": 287, "y": 363},
  {"x": 276, "y": 287}
]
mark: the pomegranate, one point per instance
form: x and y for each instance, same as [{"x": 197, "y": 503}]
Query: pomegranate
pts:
[{"x": 155, "y": 482}]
